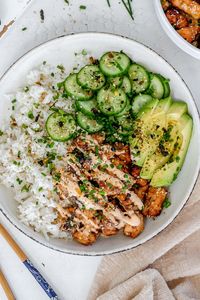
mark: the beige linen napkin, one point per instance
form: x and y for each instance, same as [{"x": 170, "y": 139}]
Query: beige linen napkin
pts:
[{"x": 164, "y": 268}]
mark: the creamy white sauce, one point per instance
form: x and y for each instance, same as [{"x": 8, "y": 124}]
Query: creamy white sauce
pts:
[{"x": 113, "y": 215}]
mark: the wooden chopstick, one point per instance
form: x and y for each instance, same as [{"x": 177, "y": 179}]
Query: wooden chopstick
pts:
[
  {"x": 29, "y": 265},
  {"x": 12, "y": 243},
  {"x": 6, "y": 287}
]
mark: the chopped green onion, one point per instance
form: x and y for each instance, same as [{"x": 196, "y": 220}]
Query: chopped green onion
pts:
[
  {"x": 166, "y": 203},
  {"x": 108, "y": 1},
  {"x": 82, "y": 7},
  {"x": 30, "y": 115},
  {"x": 84, "y": 52},
  {"x": 25, "y": 188},
  {"x": 19, "y": 180},
  {"x": 57, "y": 176},
  {"x": 119, "y": 167}
]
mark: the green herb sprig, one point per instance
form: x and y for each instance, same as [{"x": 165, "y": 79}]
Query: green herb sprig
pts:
[{"x": 128, "y": 6}]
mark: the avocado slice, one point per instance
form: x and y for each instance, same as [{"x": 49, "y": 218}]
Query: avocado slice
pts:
[
  {"x": 149, "y": 126},
  {"x": 169, "y": 172},
  {"x": 177, "y": 109},
  {"x": 162, "y": 154},
  {"x": 166, "y": 145},
  {"x": 162, "y": 107}
]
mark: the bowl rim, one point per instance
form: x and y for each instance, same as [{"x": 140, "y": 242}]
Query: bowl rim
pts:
[
  {"x": 197, "y": 173},
  {"x": 172, "y": 33}
]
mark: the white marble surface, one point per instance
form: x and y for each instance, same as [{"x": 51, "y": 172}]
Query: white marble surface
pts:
[{"x": 71, "y": 276}]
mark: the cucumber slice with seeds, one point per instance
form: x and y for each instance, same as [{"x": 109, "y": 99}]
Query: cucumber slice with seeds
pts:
[
  {"x": 139, "y": 101},
  {"x": 74, "y": 90},
  {"x": 166, "y": 86},
  {"x": 111, "y": 101},
  {"x": 114, "y": 63},
  {"x": 90, "y": 77},
  {"x": 156, "y": 87},
  {"x": 115, "y": 81},
  {"x": 126, "y": 109},
  {"x": 61, "y": 126},
  {"x": 126, "y": 85},
  {"x": 88, "y": 108},
  {"x": 139, "y": 78},
  {"x": 88, "y": 124}
]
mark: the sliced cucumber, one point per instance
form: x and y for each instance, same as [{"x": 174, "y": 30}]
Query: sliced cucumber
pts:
[
  {"x": 90, "y": 77},
  {"x": 126, "y": 109},
  {"x": 115, "y": 81},
  {"x": 139, "y": 77},
  {"x": 126, "y": 86},
  {"x": 74, "y": 90},
  {"x": 88, "y": 108},
  {"x": 111, "y": 101},
  {"x": 166, "y": 86},
  {"x": 61, "y": 126},
  {"x": 156, "y": 87},
  {"x": 88, "y": 124},
  {"x": 139, "y": 101},
  {"x": 114, "y": 63}
]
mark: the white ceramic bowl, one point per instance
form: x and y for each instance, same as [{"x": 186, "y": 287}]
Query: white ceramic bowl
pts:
[
  {"x": 173, "y": 35},
  {"x": 61, "y": 51}
]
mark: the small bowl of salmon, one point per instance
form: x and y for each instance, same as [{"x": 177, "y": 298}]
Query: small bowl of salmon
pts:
[{"x": 180, "y": 19}]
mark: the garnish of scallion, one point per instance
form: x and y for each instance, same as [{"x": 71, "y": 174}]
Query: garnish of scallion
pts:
[
  {"x": 127, "y": 5},
  {"x": 108, "y": 1}
]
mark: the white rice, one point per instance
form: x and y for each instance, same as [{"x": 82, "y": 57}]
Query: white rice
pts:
[{"x": 33, "y": 183}]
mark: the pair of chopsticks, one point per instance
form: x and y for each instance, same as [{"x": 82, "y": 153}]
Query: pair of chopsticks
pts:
[{"x": 22, "y": 256}]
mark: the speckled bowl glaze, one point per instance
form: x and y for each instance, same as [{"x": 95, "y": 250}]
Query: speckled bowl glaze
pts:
[{"x": 61, "y": 51}]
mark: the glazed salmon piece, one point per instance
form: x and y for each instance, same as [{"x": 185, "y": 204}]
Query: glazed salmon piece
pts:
[
  {"x": 189, "y": 33},
  {"x": 190, "y": 7},
  {"x": 154, "y": 201}
]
